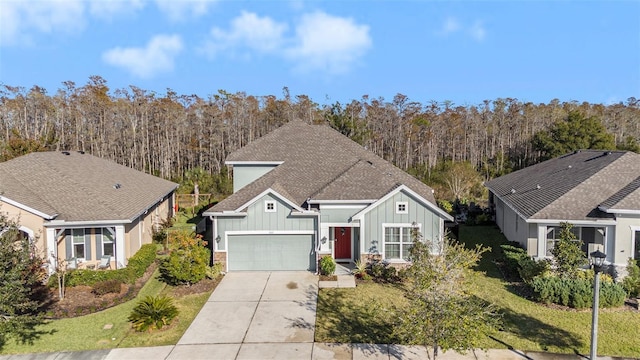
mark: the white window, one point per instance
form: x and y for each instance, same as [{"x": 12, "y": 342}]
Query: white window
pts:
[
  {"x": 77, "y": 236},
  {"x": 107, "y": 243},
  {"x": 402, "y": 207},
  {"x": 397, "y": 242},
  {"x": 270, "y": 206}
]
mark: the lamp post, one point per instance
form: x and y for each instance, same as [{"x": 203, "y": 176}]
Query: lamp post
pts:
[{"x": 597, "y": 260}]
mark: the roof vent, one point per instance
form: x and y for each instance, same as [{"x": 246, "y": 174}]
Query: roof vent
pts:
[
  {"x": 607, "y": 153},
  {"x": 80, "y": 152},
  {"x": 538, "y": 186},
  {"x": 117, "y": 186},
  {"x": 66, "y": 153},
  {"x": 569, "y": 167},
  {"x": 513, "y": 191}
]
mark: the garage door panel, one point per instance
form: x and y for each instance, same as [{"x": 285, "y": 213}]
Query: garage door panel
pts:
[{"x": 270, "y": 252}]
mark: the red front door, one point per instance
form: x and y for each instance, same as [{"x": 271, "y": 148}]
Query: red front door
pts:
[{"x": 343, "y": 243}]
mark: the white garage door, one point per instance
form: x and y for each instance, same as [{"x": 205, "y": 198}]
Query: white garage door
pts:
[{"x": 270, "y": 252}]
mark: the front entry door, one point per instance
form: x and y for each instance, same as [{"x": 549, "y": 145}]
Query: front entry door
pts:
[{"x": 343, "y": 242}]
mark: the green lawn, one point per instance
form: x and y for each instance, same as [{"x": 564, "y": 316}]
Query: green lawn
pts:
[
  {"x": 365, "y": 314},
  {"x": 88, "y": 333}
]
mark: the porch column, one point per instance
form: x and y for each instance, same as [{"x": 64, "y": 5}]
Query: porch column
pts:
[
  {"x": 120, "y": 247},
  {"x": 542, "y": 241},
  {"x": 52, "y": 250}
]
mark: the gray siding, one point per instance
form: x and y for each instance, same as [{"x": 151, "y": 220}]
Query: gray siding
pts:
[
  {"x": 257, "y": 219},
  {"x": 338, "y": 215},
  {"x": 243, "y": 175},
  {"x": 386, "y": 213}
]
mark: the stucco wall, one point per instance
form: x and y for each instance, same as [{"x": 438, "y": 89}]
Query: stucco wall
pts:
[
  {"x": 30, "y": 221},
  {"x": 624, "y": 237}
]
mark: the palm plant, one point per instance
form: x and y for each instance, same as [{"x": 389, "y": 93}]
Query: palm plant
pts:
[{"x": 153, "y": 313}]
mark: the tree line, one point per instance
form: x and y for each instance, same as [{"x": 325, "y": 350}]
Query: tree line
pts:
[{"x": 170, "y": 134}]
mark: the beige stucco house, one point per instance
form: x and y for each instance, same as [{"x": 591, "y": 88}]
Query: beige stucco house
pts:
[
  {"x": 596, "y": 191},
  {"x": 77, "y": 206}
]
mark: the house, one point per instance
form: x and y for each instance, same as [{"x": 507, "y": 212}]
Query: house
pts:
[
  {"x": 78, "y": 206},
  {"x": 306, "y": 191},
  {"x": 597, "y": 191}
]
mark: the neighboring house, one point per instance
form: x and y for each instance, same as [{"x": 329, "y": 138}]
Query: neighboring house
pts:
[
  {"x": 78, "y": 206},
  {"x": 596, "y": 191},
  {"x": 305, "y": 191}
]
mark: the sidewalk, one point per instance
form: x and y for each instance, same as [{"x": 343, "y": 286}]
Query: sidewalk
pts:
[{"x": 312, "y": 351}]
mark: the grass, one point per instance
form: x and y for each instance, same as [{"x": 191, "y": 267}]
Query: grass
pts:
[
  {"x": 365, "y": 314},
  {"x": 88, "y": 333}
]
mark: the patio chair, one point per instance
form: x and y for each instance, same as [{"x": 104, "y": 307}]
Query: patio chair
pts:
[
  {"x": 105, "y": 262},
  {"x": 72, "y": 263}
]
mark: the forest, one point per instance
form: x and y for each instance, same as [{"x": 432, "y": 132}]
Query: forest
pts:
[{"x": 175, "y": 135}]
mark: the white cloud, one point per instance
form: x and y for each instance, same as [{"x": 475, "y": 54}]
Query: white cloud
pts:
[
  {"x": 158, "y": 56},
  {"x": 329, "y": 43},
  {"x": 20, "y": 19},
  {"x": 248, "y": 30},
  {"x": 477, "y": 31},
  {"x": 181, "y": 10},
  {"x": 452, "y": 25},
  {"x": 107, "y": 9},
  {"x": 320, "y": 41}
]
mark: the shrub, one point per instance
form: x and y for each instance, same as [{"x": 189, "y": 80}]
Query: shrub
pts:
[
  {"x": 530, "y": 268},
  {"x": 136, "y": 267},
  {"x": 153, "y": 313},
  {"x": 214, "y": 271},
  {"x": 575, "y": 293},
  {"x": 327, "y": 265},
  {"x": 446, "y": 206},
  {"x": 631, "y": 282},
  {"x": 107, "y": 287},
  {"x": 512, "y": 256},
  {"x": 376, "y": 270},
  {"x": 188, "y": 263}
]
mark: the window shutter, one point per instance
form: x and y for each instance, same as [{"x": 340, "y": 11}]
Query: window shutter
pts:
[
  {"x": 98, "y": 243},
  {"x": 68, "y": 243},
  {"x": 87, "y": 244}
]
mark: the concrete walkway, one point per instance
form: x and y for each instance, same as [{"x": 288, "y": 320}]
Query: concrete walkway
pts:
[{"x": 270, "y": 315}]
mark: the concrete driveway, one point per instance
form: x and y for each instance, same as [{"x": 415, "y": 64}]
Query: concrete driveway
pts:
[{"x": 255, "y": 315}]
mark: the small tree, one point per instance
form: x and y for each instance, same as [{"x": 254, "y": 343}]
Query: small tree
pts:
[
  {"x": 188, "y": 261},
  {"x": 442, "y": 313},
  {"x": 567, "y": 253},
  {"x": 23, "y": 295}
]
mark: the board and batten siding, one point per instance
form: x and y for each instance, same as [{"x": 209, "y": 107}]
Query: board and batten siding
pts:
[
  {"x": 244, "y": 175},
  {"x": 339, "y": 215},
  {"x": 385, "y": 213},
  {"x": 258, "y": 219}
]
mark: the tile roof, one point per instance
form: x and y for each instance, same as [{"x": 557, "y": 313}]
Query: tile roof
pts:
[
  {"x": 573, "y": 186},
  {"x": 80, "y": 187},
  {"x": 321, "y": 164}
]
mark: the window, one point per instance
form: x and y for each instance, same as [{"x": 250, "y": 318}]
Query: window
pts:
[
  {"x": 77, "y": 236},
  {"x": 270, "y": 206},
  {"x": 397, "y": 242},
  {"x": 402, "y": 207},
  {"x": 107, "y": 243}
]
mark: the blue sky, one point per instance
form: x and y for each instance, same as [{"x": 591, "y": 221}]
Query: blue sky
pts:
[{"x": 461, "y": 51}]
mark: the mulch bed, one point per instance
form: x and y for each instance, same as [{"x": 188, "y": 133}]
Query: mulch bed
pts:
[{"x": 79, "y": 300}]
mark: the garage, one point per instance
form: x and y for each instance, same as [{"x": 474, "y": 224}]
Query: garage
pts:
[{"x": 270, "y": 252}]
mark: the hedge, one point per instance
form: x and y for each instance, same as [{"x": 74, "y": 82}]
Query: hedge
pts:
[
  {"x": 136, "y": 267},
  {"x": 576, "y": 293}
]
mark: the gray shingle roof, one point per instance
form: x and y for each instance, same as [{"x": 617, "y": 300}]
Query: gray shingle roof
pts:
[
  {"x": 321, "y": 164},
  {"x": 80, "y": 187},
  {"x": 571, "y": 187}
]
